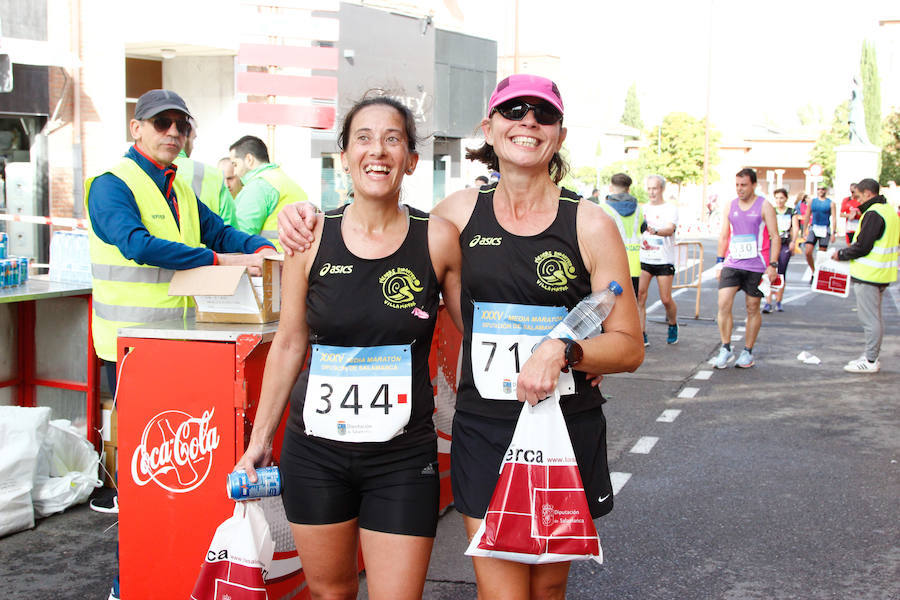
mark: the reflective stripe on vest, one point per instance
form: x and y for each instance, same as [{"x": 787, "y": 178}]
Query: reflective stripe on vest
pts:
[
  {"x": 632, "y": 242},
  {"x": 125, "y": 292},
  {"x": 131, "y": 274},
  {"x": 288, "y": 193},
  {"x": 880, "y": 264},
  {"x": 139, "y": 314}
]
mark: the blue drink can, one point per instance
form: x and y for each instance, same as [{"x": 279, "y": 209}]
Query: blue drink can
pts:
[
  {"x": 4, "y": 273},
  {"x": 4, "y": 244},
  {"x": 268, "y": 483},
  {"x": 23, "y": 269}
]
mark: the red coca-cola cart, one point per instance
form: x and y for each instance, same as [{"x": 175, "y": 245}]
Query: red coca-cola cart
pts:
[{"x": 187, "y": 394}]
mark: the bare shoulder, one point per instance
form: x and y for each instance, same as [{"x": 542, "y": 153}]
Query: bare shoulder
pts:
[
  {"x": 305, "y": 259},
  {"x": 441, "y": 227},
  {"x": 457, "y": 207},
  {"x": 592, "y": 219}
]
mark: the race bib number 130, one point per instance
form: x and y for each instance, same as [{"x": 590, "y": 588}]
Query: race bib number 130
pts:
[
  {"x": 358, "y": 394},
  {"x": 503, "y": 338}
]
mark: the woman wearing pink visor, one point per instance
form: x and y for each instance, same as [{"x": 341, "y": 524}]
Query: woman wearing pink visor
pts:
[
  {"x": 547, "y": 249},
  {"x": 530, "y": 247}
]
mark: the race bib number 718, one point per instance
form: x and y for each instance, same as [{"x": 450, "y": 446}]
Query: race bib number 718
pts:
[{"x": 503, "y": 338}]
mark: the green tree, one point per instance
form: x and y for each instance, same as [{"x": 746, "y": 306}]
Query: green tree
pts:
[
  {"x": 631, "y": 116},
  {"x": 823, "y": 152},
  {"x": 871, "y": 88},
  {"x": 890, "y": 150},
  {"x": 811, "y": 115},
  {"x": 676, "y": 149}
]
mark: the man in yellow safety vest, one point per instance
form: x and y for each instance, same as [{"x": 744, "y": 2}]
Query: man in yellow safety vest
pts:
[
  {"x": 267, "y": 189},
  {"x": 873, "y": 266}
]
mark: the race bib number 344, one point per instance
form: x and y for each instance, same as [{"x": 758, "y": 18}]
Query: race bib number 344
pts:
[
  {"x": 503, "y": 338},
  {"x": 358, "y": 394}
]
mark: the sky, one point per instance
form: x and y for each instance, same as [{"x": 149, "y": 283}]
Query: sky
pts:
[{"x": 769, "y": 57}]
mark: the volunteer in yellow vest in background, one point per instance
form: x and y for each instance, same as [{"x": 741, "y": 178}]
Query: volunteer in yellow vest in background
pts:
[
  {"x": 623, "y": 208},
  {"x": 873, "y": 266},
  {"x": 146, "y": 223},
  {"x": 267, "y": 189},
  {"x": 207, "y": 182}
]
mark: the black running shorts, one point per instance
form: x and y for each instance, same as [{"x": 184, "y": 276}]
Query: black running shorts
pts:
[
  {"x": 392, "y": 491},
  {"x": 658, "y": 270},
  {"x": 747, "y": 281},
  {"x": 479, "y": 444}
]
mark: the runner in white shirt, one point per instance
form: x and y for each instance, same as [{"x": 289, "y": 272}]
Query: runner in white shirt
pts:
[{"x": 658, "y": 255}]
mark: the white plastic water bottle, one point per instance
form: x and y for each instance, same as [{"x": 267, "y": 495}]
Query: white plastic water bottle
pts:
[{"x": 586, "y": 318}]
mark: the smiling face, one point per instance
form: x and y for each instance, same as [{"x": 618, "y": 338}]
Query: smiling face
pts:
[
  {"x": 524, "y": 143},
  {"x": 377, "y": 152},
  {"x": 161, "y": 146},
  {"x": 780, "y": 200}
]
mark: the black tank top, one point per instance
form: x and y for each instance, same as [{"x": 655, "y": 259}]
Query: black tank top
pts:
[
  {"x": 540, "y": 270},
  {"x": 358, "y": 302}
]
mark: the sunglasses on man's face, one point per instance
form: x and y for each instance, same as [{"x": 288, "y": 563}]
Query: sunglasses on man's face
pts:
[
  {"x": 515, "y": 110},
  {"x": 162, "y": 124}
]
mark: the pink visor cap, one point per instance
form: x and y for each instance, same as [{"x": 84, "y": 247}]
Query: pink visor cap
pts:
[{"x": 519, "y": 86}]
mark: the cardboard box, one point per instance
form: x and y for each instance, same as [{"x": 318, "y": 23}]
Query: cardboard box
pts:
[
  {"x": 109, "y": 414},
  {"x": 228, "y": 294}
]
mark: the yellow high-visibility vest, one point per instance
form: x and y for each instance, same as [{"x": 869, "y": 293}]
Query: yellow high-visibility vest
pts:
[
  {"x": 880, "y": 264},
  {"x": 128, "y": 293},
  {"x": 630, "y": 230},
  {"x": 288, "y": 193}
]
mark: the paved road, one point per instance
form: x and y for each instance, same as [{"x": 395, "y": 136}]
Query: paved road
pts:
[{"x": 776, "y": 482}]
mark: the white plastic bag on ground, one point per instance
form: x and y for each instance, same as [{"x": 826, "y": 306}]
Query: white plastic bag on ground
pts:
[
  {"x": 22, "y": 430},
  {"x": 72, "y": 470}
]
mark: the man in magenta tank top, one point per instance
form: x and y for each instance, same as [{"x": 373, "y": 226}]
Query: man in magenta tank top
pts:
[{"x": 748, "y": 248}]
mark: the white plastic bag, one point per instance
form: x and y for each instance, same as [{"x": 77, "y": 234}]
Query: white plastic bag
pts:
[
  {"x": 539, "y": 512},
  {"x": 21, "y": 432},
  {"x": 72, "y": 466},
  {"x": 238, "y": 558}
]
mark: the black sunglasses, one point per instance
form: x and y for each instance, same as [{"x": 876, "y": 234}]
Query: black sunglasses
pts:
[
  {"x": 163, "y": 124},
  {"x": 515, "y": 110}
]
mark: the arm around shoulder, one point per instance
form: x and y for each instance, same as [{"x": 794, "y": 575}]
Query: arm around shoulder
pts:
[{"x": 443, "y": 246}]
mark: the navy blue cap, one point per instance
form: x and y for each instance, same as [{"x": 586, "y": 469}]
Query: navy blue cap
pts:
[{"x": 154, "y": 102}]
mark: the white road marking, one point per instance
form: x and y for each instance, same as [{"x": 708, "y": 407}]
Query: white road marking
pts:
[
  {"x": 703, "y": 374},
  {"x": 742, "y": 329},
  {"x": 668, "y": 415},
  {"x": 735, "y": 338},
  {"x": 618, "y": 481},
  {"x": 644, "y": 445},
  {"x": 688, "y": 392}
]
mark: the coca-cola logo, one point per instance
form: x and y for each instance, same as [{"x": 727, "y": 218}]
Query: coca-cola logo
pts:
[{"x": 175, "y": 451}]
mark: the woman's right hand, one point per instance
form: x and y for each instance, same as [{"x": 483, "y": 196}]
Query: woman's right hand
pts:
[
  {"x": 296, "y": 223},
  {"x": 255, "y": 456}
]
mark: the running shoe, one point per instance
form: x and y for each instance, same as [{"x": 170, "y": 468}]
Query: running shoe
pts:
[
  {"x": 646, "y": 341},
  {"x": 767, "y": 308},
  {"x": 723, "y": 358},
  {"x": 778, "y": 307},
  {"x": 745, "y": 360},
  {"x": 862, "y": 365},
  {"x": 673, "y": 335}
]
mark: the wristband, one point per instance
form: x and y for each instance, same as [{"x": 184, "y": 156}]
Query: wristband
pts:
[
  {"x": 773, "y": 264},
  {"x": 720, "y": 259}
]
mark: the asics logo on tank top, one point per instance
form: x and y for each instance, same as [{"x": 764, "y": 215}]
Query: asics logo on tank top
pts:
[
  {"x": 480, "y": 240},
  {"x": 554, "y": 270},
  {"x": 398, "y": 286},
  {"x": 330, "y": 269}
]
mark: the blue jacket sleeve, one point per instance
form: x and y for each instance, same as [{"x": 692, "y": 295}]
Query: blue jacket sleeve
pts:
[
  {"x": 116, "y": 219},
  {"x": 215, "y": 234}
]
